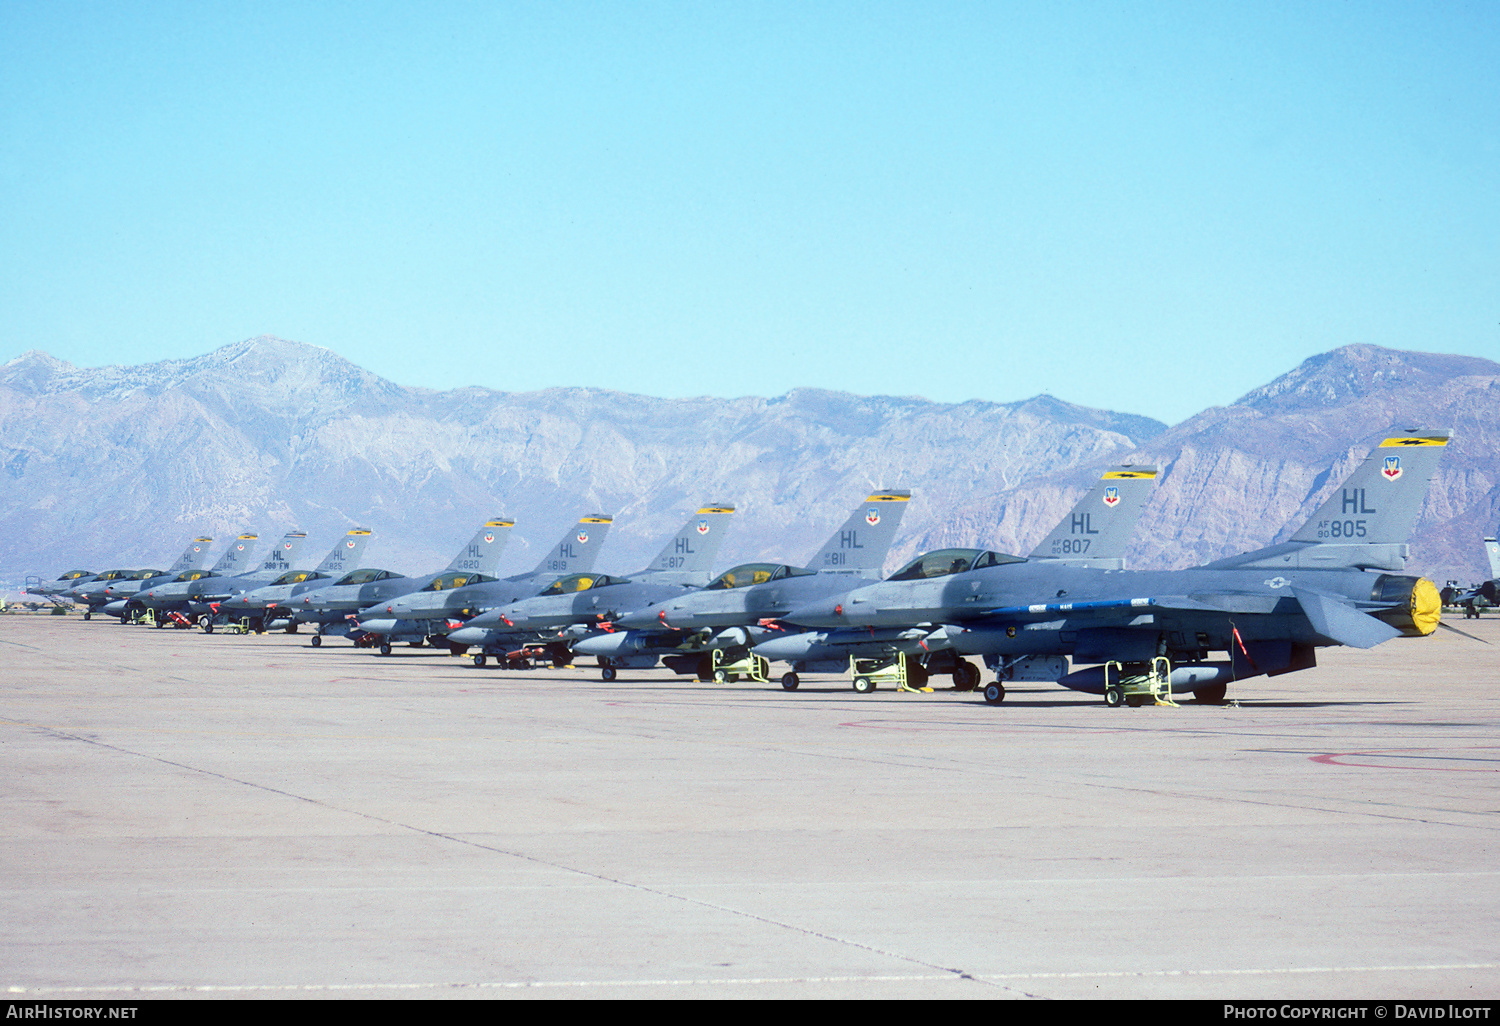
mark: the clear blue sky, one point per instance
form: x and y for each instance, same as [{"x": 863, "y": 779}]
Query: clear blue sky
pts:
[{"x": 1144, "y": 207}]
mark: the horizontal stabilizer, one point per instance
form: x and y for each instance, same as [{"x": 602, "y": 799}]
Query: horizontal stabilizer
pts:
[{"x": 1338, "y": 621}]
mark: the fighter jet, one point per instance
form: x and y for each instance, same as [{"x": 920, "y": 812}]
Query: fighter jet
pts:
[
  {"x": 1267, "y": 610},
  {"x": 263, "y": 605},
  {"x": 199, "y": 598},
  {"x": 709, "y": 632},
  {"x": 349, "y": 594},
  {"x": 1093, "y": 535},
  {"x": 586, "y": 598},
  {"x": 101, "y": 593},
  {"x": 130, "y": 605},
  {"x": 1482, "y": 595},
  {"x": 429, "y": 613},
  {"x": 51, "y": 589}
]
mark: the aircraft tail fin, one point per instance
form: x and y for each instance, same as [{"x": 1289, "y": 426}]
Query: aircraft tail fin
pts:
[
  {"x": 346, "y": 553},
  {"x": 280, "y": 559},
  {"x": 691, "y": 552},
  {"x": 578, "y": 550},
  {"x": 192, "y": 557},
  {"x": 860, "y": 546},
  {"x": 1492, "y": 549},
  {"x": 1365, "y": 523},
  {"x": 236, "y": 558},
  {"x": 1097, "y": 531},
  {"x": 482, "y": 554}
]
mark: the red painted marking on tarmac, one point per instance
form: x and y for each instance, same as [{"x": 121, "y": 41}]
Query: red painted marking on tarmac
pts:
[{"x": 1335, "y": 759}]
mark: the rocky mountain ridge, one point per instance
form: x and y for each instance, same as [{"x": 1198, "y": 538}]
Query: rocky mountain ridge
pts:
[{"x": 119, "y": 465}]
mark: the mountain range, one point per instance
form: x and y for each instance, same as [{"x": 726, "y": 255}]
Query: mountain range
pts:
[{"x": 118, "y": 466}]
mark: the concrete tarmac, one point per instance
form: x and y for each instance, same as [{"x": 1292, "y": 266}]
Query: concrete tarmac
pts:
[{"x": 196, "y": 816}]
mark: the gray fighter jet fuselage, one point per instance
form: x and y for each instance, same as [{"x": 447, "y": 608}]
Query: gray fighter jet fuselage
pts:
[
  {"x": 271, "y": 601},
  {"x": 591, "y": 599},
  {"x": 1094, "y": 534},
  {"x": 686, "y": 630},
  {"x": 432, "y": 611},
  {"x": 1267, "y": 610},
  {"x": 340, "y": 601}
]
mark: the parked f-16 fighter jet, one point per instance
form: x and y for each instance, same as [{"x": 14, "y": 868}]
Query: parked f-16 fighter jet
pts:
[
  {"x": 708, "y": 632},
  {"x": 1151, "y": 632},
  {"x": 587, "y": 598},
  {"x": 428, "y": 613},
  {"x": 1093, "y": 535},
  {"x": 270, "y": 602},
  {"x": 129, "y": 603},
  {"x": 101, "y": 593},
  {"x": 197, "y": 598},
  {"x": 341, "y": 600},
  {"x": 50, "y": 590},
  {"x": 1482, "y": 595}
]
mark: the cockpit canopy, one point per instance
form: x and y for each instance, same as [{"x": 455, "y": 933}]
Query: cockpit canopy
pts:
[
  {"x": 942, "y": 562},
  {"x": 141, "y": 575},
  {"x": 193, "y": 575},
  {"x": 456, "y": 579},
  {"x": 298, "y": 576},
  {"x": 746, "y": 574},
  {"x": 581, "y": 582},
  {"x": 365, "y": 576}
]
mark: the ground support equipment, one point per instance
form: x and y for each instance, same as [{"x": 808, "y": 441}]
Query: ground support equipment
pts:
[{"x": 1135, "y": 684}]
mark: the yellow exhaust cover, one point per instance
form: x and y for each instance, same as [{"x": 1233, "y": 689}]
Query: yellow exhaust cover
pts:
[{"x": 1426, "y": 606}]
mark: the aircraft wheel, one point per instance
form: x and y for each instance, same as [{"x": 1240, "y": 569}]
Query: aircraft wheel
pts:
[
  {"x": 87, "y": 615},
  {"x": 789, "y": 681},
  {"x": 1212, "y": 695},
  {"x": 1135, "y": 701},
  {"x": 561, "y": 659},
  {"x": 607, "y": 672},
  {"x": 705, "y": 668},
  {"x": 291, "y": 628},
  {"x": 479, "y": 660},
  {"x": 385, "y": 648},
  {"x": 258, "y": 625},
  {"x": 317, "y": 641},
  {"x": 720, "y": 677},
  {"x": 994, "y": 694},
  {"x": 1114, "y": 697},
  {"x": 863, "y": 685},
  {"x": 965, "y": 676},
  {"x": 208, "y": 625}
]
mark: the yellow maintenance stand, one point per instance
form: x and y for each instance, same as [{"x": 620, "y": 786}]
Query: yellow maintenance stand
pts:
[
  {"x": 751, "y": 667},
  {"x": 869, "y": 674},
  {"x": 1134, "y": 684}
]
